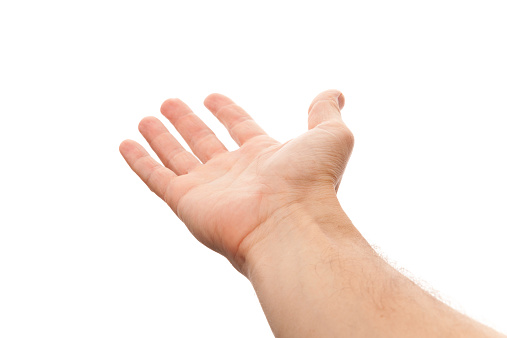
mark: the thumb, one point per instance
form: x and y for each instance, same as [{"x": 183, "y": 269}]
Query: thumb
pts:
[{"x": 326, "y": 107}]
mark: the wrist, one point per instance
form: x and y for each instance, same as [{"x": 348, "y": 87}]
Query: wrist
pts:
[
  {"x": 300, "y": 259},
  {"x": 315, "y": 275},
  {"x": 313, "y": 225}
]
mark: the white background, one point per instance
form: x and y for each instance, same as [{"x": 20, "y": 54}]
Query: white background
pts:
[{"x": 86, "y": 250}]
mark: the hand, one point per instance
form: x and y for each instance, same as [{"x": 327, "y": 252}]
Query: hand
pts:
[{"x": 227, "y": 197}]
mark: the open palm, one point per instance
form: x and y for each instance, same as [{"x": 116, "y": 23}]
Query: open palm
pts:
[{"x": 223, "y": 196}]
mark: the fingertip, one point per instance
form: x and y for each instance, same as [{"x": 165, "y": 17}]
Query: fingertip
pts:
[
  {"x": 211, "y": 96},
  {"x": 131, "y": 150},
  {"x": 146, "y": 122},
  {"x": 125, "y": 145},
  {"x": 330, "y": 94},
  {"x": 211, "y": 100},
  {"x": 169, "y": 104},
  {"x": 341, "y": 101}
]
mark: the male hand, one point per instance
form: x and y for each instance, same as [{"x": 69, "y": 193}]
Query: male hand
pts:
[
  {"x": 225, "y": 198},
  {"x": 272, "y": 210}
]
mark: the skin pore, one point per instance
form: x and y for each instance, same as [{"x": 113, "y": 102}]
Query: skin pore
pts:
[{"x": 271, "y": 209}]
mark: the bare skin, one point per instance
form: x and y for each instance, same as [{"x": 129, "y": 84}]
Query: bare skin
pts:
[{"x": 272, "y": 210}]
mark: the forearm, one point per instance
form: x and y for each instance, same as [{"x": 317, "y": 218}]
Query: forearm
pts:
[{"x": 316, "y": 276}]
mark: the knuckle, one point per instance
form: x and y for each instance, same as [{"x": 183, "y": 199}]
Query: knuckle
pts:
[
  {"x": 325, "y": 103},
  {"x": 227, "y": 109},
  {"x": 343, "y": 135},
  {"x": 347, "y": 137},
  {"x": 333, "y": 103}
]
